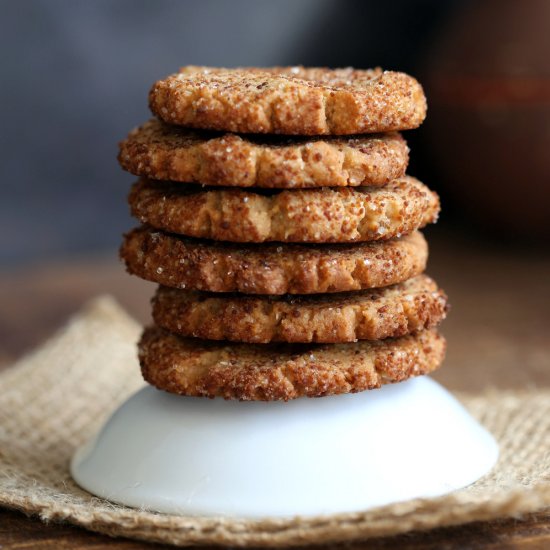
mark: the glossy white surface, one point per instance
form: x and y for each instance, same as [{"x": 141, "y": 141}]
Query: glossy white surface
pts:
[{"x": 343, "y": 453}]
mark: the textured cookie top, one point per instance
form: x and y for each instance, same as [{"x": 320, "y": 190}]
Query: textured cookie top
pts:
[
  {"x": 271, "y": 269},
  {"x": 326, "y": 215},
  {"x": 290, "y": 100},
  {"x": 393, "y": 311},
  {"x": 269, "y": 372},
  {"x": 163, "y": 152}
]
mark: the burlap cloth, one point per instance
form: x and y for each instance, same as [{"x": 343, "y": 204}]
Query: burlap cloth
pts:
[{"x": 57, "y": 397}]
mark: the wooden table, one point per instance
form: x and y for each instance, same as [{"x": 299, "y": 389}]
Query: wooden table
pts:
[{"x": 498, "y": 332}]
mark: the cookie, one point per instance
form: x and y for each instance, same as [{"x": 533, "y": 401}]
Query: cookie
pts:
[
  {"x": 290, "y": 100},
  {"x": 324, "y": 215},
  {"x": 270, "y": 372},
  {"x": 393, "y": 311},
  {"x": 271, "y": 269},
  {"x": 173, "y": 153}
]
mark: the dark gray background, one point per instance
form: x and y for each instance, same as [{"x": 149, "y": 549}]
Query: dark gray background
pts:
[{"x": 75, "y": 77}]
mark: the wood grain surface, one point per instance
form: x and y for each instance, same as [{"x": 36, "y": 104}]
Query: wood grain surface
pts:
[{"x": 498, "y": 331}]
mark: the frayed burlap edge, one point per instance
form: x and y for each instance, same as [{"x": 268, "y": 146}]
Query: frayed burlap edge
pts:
[{"x": 57, "y": 397}]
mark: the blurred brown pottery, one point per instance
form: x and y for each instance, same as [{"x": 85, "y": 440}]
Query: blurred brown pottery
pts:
[{"x": 488, "y": 86}]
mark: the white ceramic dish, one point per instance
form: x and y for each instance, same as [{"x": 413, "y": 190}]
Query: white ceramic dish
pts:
[{"x": 191, "y": 456}]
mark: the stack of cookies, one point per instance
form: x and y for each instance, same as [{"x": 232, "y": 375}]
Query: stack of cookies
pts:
[{"x": 282, "y": 230}]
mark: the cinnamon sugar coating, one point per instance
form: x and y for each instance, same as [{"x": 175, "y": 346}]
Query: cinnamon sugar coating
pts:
[
  {"x": 324, "y": 215},
  {"x": 163, "y": 152},
  {"x": 290, "y": 100},
  {"x": 270, "y": 372},
  {"x": 178, "y": 262},
  {"x": 393, "y": 311}
]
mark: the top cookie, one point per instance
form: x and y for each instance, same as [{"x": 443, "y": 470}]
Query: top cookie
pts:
[{"x": 290, "y": 100}]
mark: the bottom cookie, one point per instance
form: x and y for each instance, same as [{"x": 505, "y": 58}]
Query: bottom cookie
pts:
[{"x": 271, "y": 372}]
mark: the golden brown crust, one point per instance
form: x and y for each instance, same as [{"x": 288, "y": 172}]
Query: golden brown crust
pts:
[
  {"x": 388, "y": 312},
  {"x": 271, "y": 269},
  {"x": 290, "y": 100},
  {"x": 270, "y": 372},
  {"x": 163, "y": 152},
  {"x": 324, "y": 215}
]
